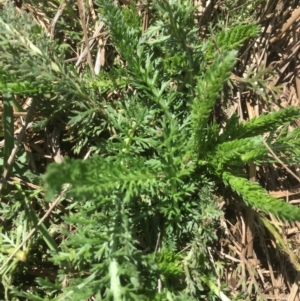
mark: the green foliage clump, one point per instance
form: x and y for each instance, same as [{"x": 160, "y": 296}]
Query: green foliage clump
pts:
[{"x": 143, "y": 208}]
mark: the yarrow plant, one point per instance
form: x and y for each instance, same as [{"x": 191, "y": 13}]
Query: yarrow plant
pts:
[{"x": 142, "y": 209}]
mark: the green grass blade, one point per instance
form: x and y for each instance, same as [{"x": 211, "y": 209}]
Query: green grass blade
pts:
[{"x": 8, "y": 123}]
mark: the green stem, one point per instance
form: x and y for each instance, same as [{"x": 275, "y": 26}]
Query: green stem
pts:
[
  {"x": 8, "y": 125},
  {"x": 214, "y": 288},
  {"x": 42, "y": 228}
]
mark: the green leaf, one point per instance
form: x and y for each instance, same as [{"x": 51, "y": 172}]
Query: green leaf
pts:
[
  {"x": 208, "y": 90},
  {"x": 255, "y": 196}
]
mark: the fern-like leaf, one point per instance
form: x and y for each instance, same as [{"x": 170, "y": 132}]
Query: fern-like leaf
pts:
[
  {"x": 255, "y": 196},
  {"x": 98, "y": 175},
  {"x": 232, "y": 39},
  {"x": 260, "y": 125},
  {"x": 237, "y": 151},
  {"x": 208, "y": 90}
]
